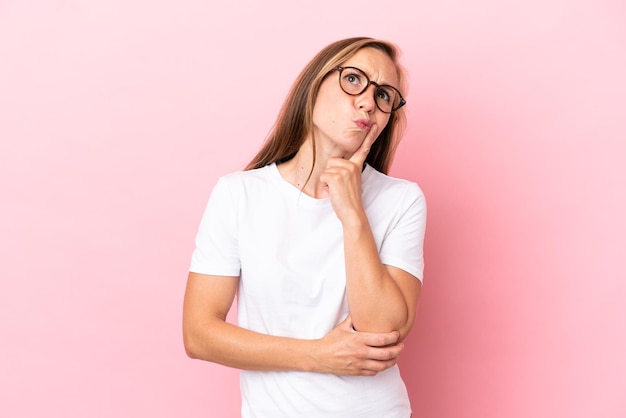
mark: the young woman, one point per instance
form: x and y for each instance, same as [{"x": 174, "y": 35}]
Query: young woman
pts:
[{"x": 321, "y": 247}]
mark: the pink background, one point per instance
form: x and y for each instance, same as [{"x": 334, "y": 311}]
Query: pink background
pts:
[{"x": 117, "y": 117}]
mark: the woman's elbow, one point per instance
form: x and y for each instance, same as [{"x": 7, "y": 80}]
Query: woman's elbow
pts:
[
  {"x": 192, "y": 344},
  {"x": 189, "y": 348}
]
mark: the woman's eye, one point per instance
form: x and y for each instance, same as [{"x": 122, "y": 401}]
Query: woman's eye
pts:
[
  {"x": 353, "y": 79},
  {"x": 384, "y": 95}
]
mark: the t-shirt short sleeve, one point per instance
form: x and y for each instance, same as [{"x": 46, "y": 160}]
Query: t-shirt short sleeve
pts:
[
  {"x": 216, "y": 251},
  {"x": 403, "y": 247}
]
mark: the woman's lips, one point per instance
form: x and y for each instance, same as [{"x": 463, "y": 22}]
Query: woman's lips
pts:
[{"x": 363, "y": 124}]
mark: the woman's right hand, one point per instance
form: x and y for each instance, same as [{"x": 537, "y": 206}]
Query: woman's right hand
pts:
[{"x": 344, "y": 351}]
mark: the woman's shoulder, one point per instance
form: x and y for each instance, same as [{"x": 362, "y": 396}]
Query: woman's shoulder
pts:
[
  {"x": 263, "y": 174},
  {"x": 374, "y": 179},
  {"x": 253, "y": 182}
]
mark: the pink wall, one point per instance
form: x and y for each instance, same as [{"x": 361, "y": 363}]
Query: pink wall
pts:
[{"x": 117, "y": 116}]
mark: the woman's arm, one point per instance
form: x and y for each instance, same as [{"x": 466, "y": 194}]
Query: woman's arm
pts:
[
  {"x": 208, "y": 336},
  {"x": 381, "y": 298}
]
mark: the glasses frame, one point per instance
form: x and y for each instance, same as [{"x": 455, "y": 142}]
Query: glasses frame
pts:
[{"x": 376, "y": 85}]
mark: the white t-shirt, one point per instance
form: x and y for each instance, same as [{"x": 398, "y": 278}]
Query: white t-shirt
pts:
[{"x": 287, "y": 248}]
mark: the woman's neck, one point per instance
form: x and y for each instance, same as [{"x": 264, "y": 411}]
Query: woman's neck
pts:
[{"x": 304, "y": 171}]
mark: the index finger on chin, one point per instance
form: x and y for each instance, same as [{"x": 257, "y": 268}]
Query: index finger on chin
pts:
[{"x": 361, "y": 154}]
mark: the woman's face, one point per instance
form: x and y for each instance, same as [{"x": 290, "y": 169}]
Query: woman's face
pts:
[{"x": 341, "y": 121}]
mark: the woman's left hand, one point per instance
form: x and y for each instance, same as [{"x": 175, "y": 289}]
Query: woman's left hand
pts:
[{"x": 343, "y": 179}]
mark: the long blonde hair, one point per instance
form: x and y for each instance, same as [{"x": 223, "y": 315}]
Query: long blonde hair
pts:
[{"x": 295, "y": 119}]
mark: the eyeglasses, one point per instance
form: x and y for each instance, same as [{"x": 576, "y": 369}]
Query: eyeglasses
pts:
[{"x": 354, "y": 81}]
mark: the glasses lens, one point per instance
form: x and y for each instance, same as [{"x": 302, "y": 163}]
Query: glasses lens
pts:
[
  {"x": 353, "y": 80},
  {"x": 387, "y": 98}
]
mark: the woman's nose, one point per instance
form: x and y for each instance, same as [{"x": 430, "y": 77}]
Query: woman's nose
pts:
[{"x": 366, "y": 100}]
